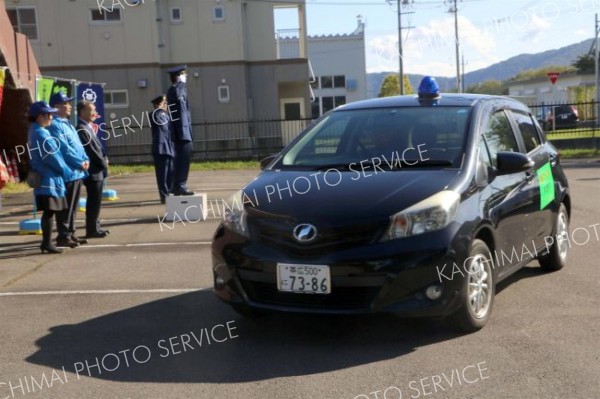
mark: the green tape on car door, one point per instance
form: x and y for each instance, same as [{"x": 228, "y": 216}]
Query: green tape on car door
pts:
[{"x": 546, "y": 182}]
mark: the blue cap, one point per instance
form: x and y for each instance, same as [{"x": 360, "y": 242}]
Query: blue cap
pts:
[
  {"x": 41, "y": 107},
  {"x": 177, "y": 70},
  {"x": 158, "y": 99},
  {"x": 59, "y": 98},
  {"x": 428, "y": 88}
]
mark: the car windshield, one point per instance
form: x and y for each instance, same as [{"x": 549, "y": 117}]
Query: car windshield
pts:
[{"x": 391, "y": 138}]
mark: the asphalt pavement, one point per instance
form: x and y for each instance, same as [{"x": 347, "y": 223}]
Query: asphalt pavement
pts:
[{"x": 133, "y": 316}]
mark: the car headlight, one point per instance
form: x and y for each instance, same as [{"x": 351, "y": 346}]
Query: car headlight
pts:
[
  {"x": 234, "y": 214},
  {"x": 431, "y": 214}
]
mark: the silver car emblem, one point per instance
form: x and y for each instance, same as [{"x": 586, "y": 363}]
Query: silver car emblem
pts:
[{"x": 305, "y": 232}]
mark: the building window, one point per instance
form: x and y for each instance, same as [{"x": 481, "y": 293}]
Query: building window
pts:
[
  {"x": 333, "y": 82},
  {"x": 223, "y": 92},
  {"x": 324, "y": 104},
  {"x": 104, "y": 16},
  {"x": 176, "y": 16},
  {"x": 218, "y": 13},
  {"x": 24, "y": 20},
  {"x": 326, "y": 82},
  {"x": 339, "y": 81},
  {"x": 116, "y": 98}
]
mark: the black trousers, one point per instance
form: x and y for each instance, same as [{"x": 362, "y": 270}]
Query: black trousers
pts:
[
  {"x": 163, "y": 168},
  {"x": 92, "y": 207},
  {"x": 46, "y": 224},
  {"x": 65, "y": 219},
  {"x": 183, "y": 156}
]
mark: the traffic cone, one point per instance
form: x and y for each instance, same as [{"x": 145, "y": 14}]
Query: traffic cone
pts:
[
  {"x": 109, "y": 194},
  {"x": 31, "y": 226},
  {"x": 15, "y": 169}
]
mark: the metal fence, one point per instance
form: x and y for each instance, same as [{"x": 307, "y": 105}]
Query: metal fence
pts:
[
  {"x": 569, "y": 125},
  {"x": 227, "y": 140},
  {"x": 254, "y": 139}
]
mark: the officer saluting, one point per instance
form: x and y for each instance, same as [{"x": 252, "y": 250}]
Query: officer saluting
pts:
[
  {"x": 162, "y": 147},
  {"x": 181, "y": 121}
]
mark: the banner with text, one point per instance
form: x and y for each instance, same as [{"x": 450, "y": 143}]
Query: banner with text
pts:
[
  {"x": 94, "y": 93},
  {"x": 46, "y": 87}
]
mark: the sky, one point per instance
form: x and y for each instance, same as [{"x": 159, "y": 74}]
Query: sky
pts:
[{"x": 489, "y": 30}]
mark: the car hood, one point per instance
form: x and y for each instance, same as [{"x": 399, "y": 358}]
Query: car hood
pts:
[{"x": 343, "y": 194}]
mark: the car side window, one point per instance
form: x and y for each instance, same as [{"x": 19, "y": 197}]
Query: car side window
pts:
[
  {"x": 499, "y": 136},
  {"x": 528, "y": 131}
]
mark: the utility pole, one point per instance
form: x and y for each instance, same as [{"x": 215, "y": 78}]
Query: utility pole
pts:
[
  {"x": 400, "y": 52},
  {"x": 454, "y": 9},
  {"x": 597, "y": 68},
  {"x": 463, "y": 73}
]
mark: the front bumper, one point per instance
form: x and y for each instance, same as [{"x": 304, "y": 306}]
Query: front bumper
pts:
[{"x": 386, "y": 277}]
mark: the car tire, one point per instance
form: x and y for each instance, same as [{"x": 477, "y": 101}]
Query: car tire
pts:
[
  {"x": 477, "y": 294},
  {"x": 556, "y": 258}
]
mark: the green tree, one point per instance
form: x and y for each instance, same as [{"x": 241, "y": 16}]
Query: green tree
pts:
[
  {"x": 584, "y": 63},
  {"x": 391, "y": 87},
  {"x": 495, "y": 87},
  {"x": 541, "y": 72}
]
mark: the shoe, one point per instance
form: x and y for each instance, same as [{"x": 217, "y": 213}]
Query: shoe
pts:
[
  {"x": 51, "y": 249},
  {"x": 78, "y": 240},
  {"x": 66, "y": 242},
  {"x": 107, "y": 232},
  {"x": 97, "y": 234},
  {"x": 186, "y": 192}
]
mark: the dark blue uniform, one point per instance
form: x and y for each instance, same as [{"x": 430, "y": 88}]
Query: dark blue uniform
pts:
[
  {"x": 163, "y": 152},
  {"x": 181, "y": 122}
]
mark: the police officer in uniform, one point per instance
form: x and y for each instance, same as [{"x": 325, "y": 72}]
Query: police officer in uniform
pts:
[
  {"x": 162, "y": 147},
  {"x": 181, "y": 122}
]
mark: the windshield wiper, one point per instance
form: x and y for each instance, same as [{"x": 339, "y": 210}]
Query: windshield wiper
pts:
[
  {"x": 428, "y": 162},
  {"x": 338, "y": 166}
]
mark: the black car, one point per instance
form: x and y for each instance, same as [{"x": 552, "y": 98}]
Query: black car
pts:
[
  {"x": 558, "y": 117},
  {"x": 412, "y": 205}
]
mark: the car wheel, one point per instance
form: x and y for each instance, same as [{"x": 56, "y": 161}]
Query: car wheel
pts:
[
  {"x": 556, "y": 258},
  {"x": 477, "y": 295}
]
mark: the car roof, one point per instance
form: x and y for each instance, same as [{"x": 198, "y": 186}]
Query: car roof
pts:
[{"x": 445, "y": 99}]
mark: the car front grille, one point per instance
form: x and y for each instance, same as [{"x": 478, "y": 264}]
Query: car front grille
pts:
[{"x": 278, "y": 233}]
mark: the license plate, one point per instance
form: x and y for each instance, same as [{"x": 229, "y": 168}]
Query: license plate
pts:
[
  {"x": 564, "y": 116},
  {"x": 305, "y": 279}
]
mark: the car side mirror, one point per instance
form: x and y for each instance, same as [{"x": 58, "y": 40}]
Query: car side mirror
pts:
[
  {"x": 512, "y": 162},
  {"x": 266, "y": 161}
]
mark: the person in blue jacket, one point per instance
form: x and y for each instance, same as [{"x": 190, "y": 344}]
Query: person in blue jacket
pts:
[
  {"x": 48, "y": 162},
  {"x": 162, "y": 147},
  {"x": 181, "y": 121},
  {"x": 76, "y": 159}
]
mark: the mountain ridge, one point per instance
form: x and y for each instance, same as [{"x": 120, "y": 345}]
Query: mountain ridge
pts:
[{"x": 502, "y": 70}]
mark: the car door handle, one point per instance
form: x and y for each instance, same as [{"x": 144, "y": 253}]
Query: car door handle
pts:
[{"x": 552, "y": 159}]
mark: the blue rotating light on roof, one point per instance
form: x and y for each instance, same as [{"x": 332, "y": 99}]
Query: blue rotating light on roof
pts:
[{"x": 429, "y": 89}]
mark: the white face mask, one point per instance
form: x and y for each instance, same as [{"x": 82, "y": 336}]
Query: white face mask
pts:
[{"x": 182, "y": 78}]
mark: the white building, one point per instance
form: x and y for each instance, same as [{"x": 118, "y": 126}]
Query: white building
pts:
[
  {"x": 569, "y": 88},
  {"x": 338, "y": 67}
]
